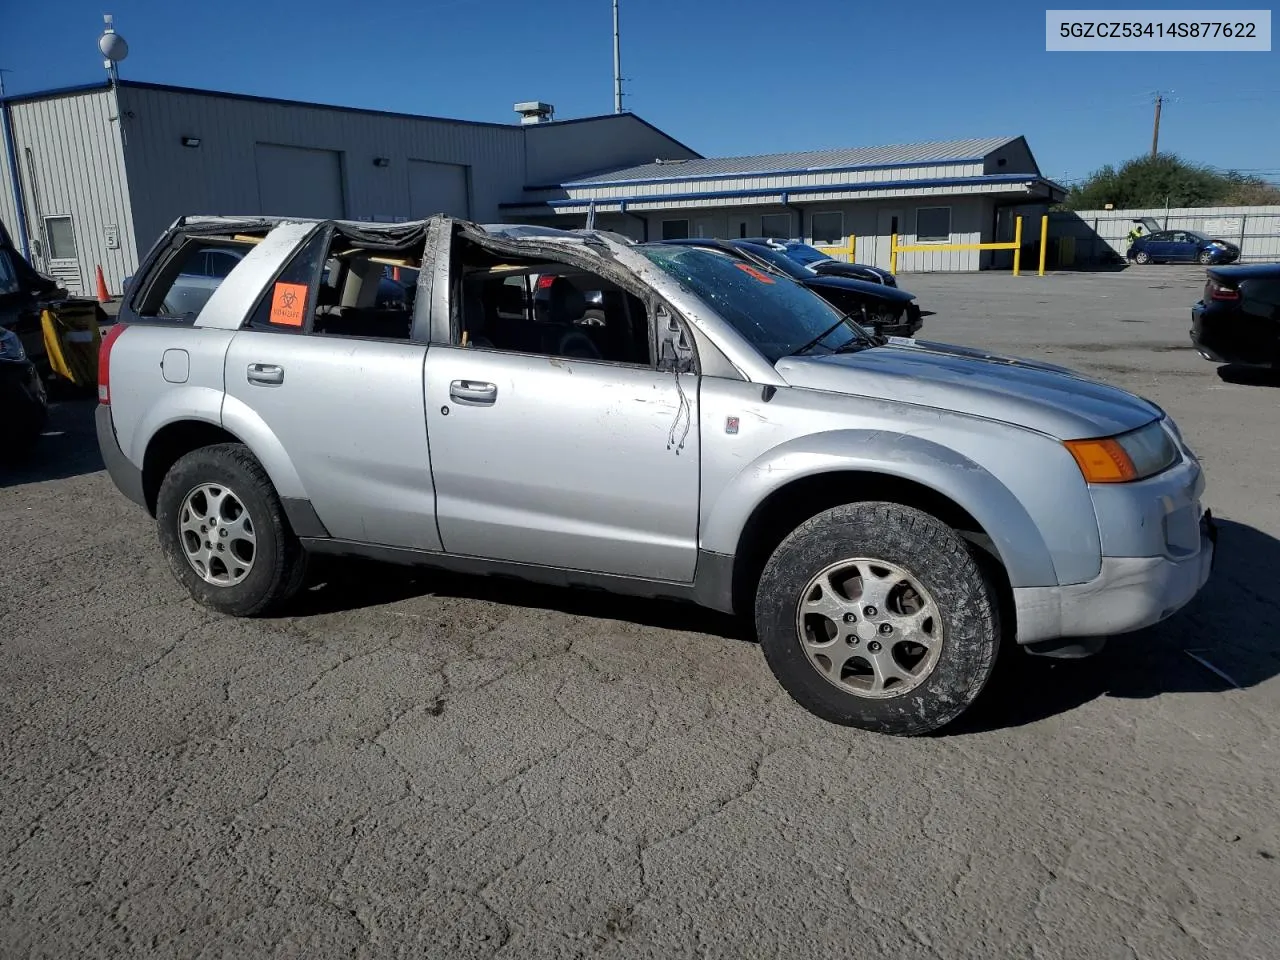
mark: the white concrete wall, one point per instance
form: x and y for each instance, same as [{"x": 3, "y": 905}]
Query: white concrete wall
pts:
[{"x": 1255, "y": 229}]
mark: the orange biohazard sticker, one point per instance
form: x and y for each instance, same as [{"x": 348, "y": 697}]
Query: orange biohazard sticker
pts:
[
  {"x": 747, "y": 268},
  {"x": 288, "y": 303}
]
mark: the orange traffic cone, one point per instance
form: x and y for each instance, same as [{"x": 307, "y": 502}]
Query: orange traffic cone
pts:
[{"x": 103, "y": 296}]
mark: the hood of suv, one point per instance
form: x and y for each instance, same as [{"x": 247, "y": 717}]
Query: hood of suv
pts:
[{"x": 1039, "y": 396}]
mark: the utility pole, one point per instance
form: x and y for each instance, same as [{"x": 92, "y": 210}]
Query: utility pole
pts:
[
  {"x": 617, "y": 63},
  {"x": 1155, "y": 131}
]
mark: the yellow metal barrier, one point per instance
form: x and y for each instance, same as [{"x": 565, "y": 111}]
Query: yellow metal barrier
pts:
[
  {"x": 1015, "y": 246},
  {"x": 1044, "y": 240},
  {"x": 850, "y": 249}
]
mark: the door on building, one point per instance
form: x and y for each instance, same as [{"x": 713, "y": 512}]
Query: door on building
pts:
[
  {"x": 708, "y": 227},
  {"x": 438, "y": 188},
  {"x": 888, "y": 223},
  {"x": 739, "y": 226},
  {"x": 62, "y": 261},
  {"x": 299, "y": 181}
]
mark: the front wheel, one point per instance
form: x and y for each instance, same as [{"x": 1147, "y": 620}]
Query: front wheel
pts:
[
  {"x": 876, "y": 615},
  {"x": 1205, "y": 257},
  {"x": 224, "y": 532}
]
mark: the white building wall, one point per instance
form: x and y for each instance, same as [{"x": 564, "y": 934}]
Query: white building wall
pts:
[
  {"x": 8, "y": 210},
  {"x": 71, "y": 163},
  {"x": 870, "y": 222}
]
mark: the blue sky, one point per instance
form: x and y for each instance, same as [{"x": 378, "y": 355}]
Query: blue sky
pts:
[{"x": 725, "y": 76}]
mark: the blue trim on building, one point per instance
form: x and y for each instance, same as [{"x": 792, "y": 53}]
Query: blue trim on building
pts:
[{"x": 991, "y": 178}]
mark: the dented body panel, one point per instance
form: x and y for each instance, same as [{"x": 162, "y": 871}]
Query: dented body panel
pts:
[{"x": 645, "y": 478}]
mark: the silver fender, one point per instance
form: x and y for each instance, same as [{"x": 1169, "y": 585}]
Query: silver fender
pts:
[
  {"x": 1014, "y": 534},
  {"x": 239, "y": 418}
]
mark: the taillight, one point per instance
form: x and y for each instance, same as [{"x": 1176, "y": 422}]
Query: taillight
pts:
[
  {"x": 545, "y": 281},
  {"x": 1217, "y": 290},
  {"x": 104, "y": 361}
]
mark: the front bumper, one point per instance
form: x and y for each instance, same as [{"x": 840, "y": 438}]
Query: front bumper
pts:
[{"x": 1130, "y": 593}]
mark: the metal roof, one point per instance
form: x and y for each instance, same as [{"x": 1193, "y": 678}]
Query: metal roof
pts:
[{"x": 897, "y": 155}]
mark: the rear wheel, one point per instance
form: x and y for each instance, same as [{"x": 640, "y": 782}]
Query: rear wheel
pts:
[
  {"x": 1142, "y": 257},
  {"x": 224, "y": 532},
  {"x": 875, "y": 615}
]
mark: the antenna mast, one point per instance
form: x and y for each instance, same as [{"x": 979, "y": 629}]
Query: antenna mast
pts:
[{"x": 617, "y": 63}]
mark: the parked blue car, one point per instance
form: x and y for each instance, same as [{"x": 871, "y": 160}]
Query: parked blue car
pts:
[{"x": 1181, "y": 246}]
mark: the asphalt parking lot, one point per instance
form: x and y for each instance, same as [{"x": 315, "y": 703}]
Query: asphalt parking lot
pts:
[{"x": 412, "y": 764}]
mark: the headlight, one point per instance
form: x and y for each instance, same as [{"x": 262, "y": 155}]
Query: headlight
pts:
[
  {"x": 11, "y": 346},
  {"x": 1130, "y": 456}
]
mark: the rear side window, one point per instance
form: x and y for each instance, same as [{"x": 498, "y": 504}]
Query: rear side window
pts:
[
  {"x": 288, "y": 302},
  {"x": 185, "y": 282}
]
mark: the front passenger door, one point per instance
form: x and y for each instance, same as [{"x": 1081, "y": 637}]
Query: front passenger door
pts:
[{"x": 560, "y": 461}]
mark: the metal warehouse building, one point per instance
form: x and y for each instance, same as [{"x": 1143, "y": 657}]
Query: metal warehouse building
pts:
[
  {"x": 945, "y": 192},
  {"x": 102, "y": 170}
]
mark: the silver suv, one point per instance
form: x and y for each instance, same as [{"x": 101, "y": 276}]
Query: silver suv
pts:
[{"x": 888, "y": 512}]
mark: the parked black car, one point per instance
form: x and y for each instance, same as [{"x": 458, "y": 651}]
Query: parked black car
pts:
[
  {"x": 1181, "y": 246},
  {"x": 890, "y": 311},
  {"x": 23, "y": 405},
  {"x": 1238, "y": 318},
  {"x": 818, "y": 262}
]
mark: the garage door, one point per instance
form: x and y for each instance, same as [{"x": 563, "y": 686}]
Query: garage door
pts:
[
  {"x": 437, "y": 188},
  {"x": 300, "y": 182}
]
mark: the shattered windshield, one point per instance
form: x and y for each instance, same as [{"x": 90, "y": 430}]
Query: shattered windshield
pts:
[{"x": 778, "y": 316}]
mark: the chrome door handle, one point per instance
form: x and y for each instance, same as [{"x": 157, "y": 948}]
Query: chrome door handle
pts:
[
  {"x": 265, "y": 373},
  {"x": 473, "y": 392}
]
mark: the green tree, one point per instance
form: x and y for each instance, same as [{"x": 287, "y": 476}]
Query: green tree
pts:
[{"x": 1166, "y": 178}]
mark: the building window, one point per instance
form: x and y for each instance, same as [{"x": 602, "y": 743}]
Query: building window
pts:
[
  {"x": 776, "y": 225},
  {"x": 933, "y": 224},
  {"x": 675, "y": 229},
  {"x": 62, "y": 238},
  {"x": 828, "y": 227}
]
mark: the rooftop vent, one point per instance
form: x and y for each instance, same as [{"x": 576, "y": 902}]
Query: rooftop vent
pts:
[{"x": 535, "y": 111}]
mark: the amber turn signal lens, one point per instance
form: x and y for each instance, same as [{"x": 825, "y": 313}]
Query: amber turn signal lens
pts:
[{"x": 1102, "y": 461}]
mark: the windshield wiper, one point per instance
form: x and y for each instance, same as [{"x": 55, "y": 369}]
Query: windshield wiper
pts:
[{"x": 830, "y": 330}]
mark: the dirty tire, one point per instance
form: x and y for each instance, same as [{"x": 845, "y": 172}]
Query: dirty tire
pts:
[
  {"x": 931, "y": 553},
  {"x": 279, "y": 564},
  {"x": 1142, "y": 257}
]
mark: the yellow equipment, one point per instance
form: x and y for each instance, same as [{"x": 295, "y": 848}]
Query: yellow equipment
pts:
[{"x": 71, "y": 339}]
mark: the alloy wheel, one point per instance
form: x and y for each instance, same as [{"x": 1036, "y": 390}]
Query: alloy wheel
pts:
[{"x": 869, "y": 627}]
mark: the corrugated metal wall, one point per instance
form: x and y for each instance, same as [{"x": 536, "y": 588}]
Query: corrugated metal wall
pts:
[
  {"x": 71, "y": 164},
  {"x": 219, "y": 176},
  {"x": 1103, "y": 232},
  {"x": 8, "y": 213},
  {"x": 557, "y": 152}
]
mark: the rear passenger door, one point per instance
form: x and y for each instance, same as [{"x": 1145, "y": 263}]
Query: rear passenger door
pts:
[
  {"x": 320, "y": 371},
  {"x": 1183, "y": 247}
]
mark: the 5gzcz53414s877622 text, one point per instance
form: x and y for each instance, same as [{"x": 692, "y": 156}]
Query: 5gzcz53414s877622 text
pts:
[{"x": 1164, "y": 31}]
